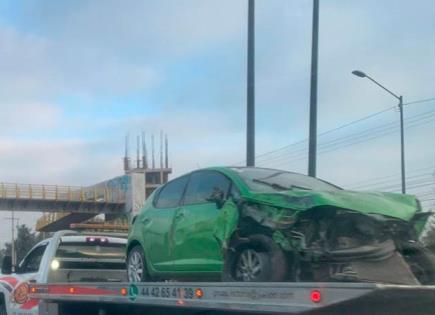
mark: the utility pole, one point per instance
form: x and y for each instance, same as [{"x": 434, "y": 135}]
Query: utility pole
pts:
[
  {"x": 250, "y": 128},
  {"x": 312, "y": 146},
  {"x": 13, "y": 250}
]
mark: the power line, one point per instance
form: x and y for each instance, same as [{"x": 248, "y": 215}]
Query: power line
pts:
[
  {"x": 392, "y": 175},
  {"x": 390, "y": 128},
  {"x": 341, "y": 127},
  {"x": 356, "y": 138},
  {"x": 382, "y": 182},
  {"x": 420, "y": 101}
]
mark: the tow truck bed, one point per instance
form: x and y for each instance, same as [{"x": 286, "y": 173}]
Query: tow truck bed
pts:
[{"x": 233, "y": 298}]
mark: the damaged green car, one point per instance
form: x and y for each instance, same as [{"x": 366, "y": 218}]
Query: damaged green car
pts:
[{"x": 257, "y": 224}]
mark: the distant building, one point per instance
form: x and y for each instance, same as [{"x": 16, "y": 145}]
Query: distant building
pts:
[{"x": 133, "y": 188}]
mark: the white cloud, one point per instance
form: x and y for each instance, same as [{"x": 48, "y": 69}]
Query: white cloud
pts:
[{"x": 25, "y": 118}]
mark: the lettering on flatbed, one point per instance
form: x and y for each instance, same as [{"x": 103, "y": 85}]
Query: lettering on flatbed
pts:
[{"x": 253, "y": 294}]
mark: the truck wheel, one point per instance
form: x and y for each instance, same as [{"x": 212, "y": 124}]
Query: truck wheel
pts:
[
  {"x": 136, "y": 265},
  {"x": 259, "y": 260}
]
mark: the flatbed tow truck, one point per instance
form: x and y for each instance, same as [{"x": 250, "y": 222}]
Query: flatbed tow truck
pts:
[{"x": 232, "y": 298}]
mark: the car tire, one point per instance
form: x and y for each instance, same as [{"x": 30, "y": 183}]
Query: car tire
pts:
[
  {"x": 422, "y": 263},
  {"x": 258, "y": 260},
  {"x": 136, "y": 265}
]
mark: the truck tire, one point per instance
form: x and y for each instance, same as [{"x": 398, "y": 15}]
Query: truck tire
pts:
[
  {"x": 258, "y": 260},
  {"x": 136, "y": 265}
]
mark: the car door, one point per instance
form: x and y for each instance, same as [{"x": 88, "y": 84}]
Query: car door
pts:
[
  {"x": 196, "y": 248},
  {"x": 157, "y": 221}
]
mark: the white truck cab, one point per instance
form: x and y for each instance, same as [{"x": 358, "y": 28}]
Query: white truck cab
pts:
[{"x": 68, "y": 256}]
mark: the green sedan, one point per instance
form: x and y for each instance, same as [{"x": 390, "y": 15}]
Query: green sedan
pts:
[{"x": 257, "y": 224}]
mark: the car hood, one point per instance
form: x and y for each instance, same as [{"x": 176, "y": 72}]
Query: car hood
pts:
[{"x": 398, "y": 206}]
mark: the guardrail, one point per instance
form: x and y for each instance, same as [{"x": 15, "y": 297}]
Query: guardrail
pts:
[{"x": 61, "y": 193}]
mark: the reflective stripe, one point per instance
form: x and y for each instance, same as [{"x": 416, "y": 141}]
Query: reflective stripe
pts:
[
  {"x": 10, "y": 280},
  {"x": 6, "y": 285}
]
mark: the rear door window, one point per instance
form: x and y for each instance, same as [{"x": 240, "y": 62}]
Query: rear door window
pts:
[
  {"x": 171, "y": 193},
  {"x": 78, "y": 250},
  {"x": 79, "y": 255}
]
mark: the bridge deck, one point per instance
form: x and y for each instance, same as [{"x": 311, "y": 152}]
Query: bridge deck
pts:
[{"x": 54, "y": 198}]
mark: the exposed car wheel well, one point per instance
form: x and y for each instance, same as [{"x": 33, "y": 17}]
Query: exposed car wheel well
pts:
[
  {"x": 132, "y": 245},
  {"x": 276, "y": 268}
]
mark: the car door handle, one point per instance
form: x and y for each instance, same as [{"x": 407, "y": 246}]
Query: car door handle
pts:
[{"x": 179, "y": 215}]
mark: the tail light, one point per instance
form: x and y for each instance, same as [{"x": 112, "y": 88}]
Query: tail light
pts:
[{"x": 315, "y": 296}]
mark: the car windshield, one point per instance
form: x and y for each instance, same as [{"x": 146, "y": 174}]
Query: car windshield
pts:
[{"x": 265, "y": 180}]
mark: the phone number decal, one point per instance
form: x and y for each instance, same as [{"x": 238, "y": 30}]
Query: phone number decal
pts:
[{"x": 167, "y": 292}]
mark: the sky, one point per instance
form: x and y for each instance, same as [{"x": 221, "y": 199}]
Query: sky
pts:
[{"x": 77, "y": 76}]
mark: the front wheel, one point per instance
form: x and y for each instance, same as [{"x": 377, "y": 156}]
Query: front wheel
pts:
[
  {"x": 136, "y": 265},
  {"x": 259, "y": 260},
  {"x": 422, "y": 263}
]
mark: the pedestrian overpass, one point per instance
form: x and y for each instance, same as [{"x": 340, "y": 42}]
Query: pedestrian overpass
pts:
[{"x": 63, "y": 205}]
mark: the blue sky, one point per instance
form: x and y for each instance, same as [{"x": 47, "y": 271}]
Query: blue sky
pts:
[{"x": 76, "y": 76}]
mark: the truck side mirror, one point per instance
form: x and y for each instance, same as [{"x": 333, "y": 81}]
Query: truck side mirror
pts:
[{"x": 7, "y": 265}]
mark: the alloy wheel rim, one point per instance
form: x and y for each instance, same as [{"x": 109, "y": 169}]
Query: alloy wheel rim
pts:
[
  {"x": 135, "y": 267},
  {"x": 248, "y": 266}
]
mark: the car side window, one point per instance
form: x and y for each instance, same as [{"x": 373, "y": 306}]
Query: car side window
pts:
[
  {"x": 33, "y": 260},
  {"x": 202, "y": 185},
  {"x": 171, "y": 193}
]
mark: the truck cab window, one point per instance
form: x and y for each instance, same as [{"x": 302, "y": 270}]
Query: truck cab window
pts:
[{"x": 32, "y": 261}]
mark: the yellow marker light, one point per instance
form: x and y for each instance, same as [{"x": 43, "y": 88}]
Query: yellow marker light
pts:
[
  {"x": 124, "y": 291},
  {"x": 199, "y": 293},
  {"x": 55, "y": 264}
]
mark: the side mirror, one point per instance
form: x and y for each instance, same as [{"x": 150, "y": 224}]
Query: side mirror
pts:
[
  {"x": 218, "y": 197},
  {"x": 7, "y": 265}
]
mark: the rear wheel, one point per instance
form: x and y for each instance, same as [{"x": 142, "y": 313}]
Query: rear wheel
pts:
[{"x": 136, "y": 265}]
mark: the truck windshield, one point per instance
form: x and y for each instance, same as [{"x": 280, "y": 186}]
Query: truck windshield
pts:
[{"x": 265, "y": 180}]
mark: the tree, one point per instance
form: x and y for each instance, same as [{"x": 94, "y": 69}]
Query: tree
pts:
[{"x": 25, "y": 240}]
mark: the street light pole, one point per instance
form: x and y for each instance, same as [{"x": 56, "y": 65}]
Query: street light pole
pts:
[
  {"x": 402, "y": 145},
  {"x": 312, "y": 146},
  {"x": 361, "y": 74}
]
